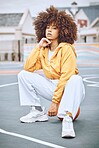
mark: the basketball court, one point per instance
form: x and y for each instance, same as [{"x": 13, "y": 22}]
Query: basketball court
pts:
[{"x": 14, "y": 134}]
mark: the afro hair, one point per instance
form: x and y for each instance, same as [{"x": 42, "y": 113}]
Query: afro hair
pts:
[{"x": 64, "y": 22}]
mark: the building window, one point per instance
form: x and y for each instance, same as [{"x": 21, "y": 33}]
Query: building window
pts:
[
  {"x": 84, "y": 39},
  {"x": 6, "y": 57},
  {"x": 82, "y": 23},
  {"x": 94, "y": 39},
  {"x": 26, "y": 41},
  {"x": 13, "y": 56}
]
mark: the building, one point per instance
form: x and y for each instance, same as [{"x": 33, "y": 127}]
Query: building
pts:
[
  {"x": 90, "y": 34},
  {"x": 15, "y": 30},
  {"x": 87, "y": 19}
]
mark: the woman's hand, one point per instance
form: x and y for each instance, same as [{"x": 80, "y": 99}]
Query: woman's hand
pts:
[
  {"x": 53, "y": 109},
  {"x": 44, "y": 42}
]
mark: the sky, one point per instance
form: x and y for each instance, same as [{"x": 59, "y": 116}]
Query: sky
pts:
[{"x": 36, "y": 6}]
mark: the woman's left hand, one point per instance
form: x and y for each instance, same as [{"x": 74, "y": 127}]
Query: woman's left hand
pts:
[{"x": 53, "y": 109}]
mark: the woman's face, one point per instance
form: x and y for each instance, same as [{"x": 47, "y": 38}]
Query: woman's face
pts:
[{"x": 52, "y": 32}]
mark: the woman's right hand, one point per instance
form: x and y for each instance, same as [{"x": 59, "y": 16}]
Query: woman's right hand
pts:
[{"x": 44, "y": 42}]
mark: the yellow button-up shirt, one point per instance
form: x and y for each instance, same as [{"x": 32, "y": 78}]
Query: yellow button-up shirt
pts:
[{"x": 61, "y": 66}]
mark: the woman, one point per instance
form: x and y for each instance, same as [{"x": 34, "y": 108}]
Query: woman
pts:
[{"x": 55, "y": 55}]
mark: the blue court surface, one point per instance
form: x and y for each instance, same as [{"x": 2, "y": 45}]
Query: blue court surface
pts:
[{"x": 14, "y": 134}]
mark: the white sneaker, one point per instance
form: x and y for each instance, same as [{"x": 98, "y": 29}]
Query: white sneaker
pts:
[
  {"x": 67, "y": 127},
  {"x": 34, "y": 116}
]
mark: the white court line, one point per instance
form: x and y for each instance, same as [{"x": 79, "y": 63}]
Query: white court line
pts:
[
  {"x": 31, "y": 139},
  {"x": 86, "y": 79},
  {"x": 10, "y": 84},
  {"x": 26, "y": 137},
  {"x": 6, "y": 74},
  {"x": 93, "y": 83}
]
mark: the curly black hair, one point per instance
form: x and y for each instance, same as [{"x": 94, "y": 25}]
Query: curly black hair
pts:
[{"x": 64, "y": 22}]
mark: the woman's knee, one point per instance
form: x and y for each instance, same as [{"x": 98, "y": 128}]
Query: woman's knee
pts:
[
  {"x": 76, "y": 78},
  {"x": 21, "y": 74},
  {"x": 28, "y": 76}
]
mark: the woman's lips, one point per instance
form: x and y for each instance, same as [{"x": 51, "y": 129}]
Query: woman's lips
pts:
[{"x": 49, "y": 34}]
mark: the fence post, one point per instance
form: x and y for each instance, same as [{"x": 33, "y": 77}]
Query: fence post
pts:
[{"x": 19, "y": 51}]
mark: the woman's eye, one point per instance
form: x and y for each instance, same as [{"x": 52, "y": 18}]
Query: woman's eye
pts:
[
  {"x": 54, "y": 28},
  {"x": 47, "y": 27}
]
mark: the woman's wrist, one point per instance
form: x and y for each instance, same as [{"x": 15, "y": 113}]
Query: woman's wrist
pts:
[{"x": 38, "y": 46}]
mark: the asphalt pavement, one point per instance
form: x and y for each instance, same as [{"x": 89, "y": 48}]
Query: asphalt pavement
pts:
[{"x": 14, "y": 134}]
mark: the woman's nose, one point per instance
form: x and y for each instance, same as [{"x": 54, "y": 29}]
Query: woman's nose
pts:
[{"x": 49, "y": 29}]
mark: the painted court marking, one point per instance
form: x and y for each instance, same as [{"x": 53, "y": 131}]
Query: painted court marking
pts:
[
  {"x": 31, "y": 139},
  {"x": 26, "y": 137},
  {"x": 10, "y": 84},
  {"x": 87, "y": 79},
  {"x": 91, "y": 82}
]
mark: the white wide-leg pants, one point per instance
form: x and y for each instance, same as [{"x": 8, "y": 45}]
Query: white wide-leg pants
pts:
[{"x": 33, "y": 87}]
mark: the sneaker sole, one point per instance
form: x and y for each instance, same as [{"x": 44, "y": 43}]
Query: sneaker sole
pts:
[
  {"x": 42, "y": 118},
  {"x": 68, "y": 135}
]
